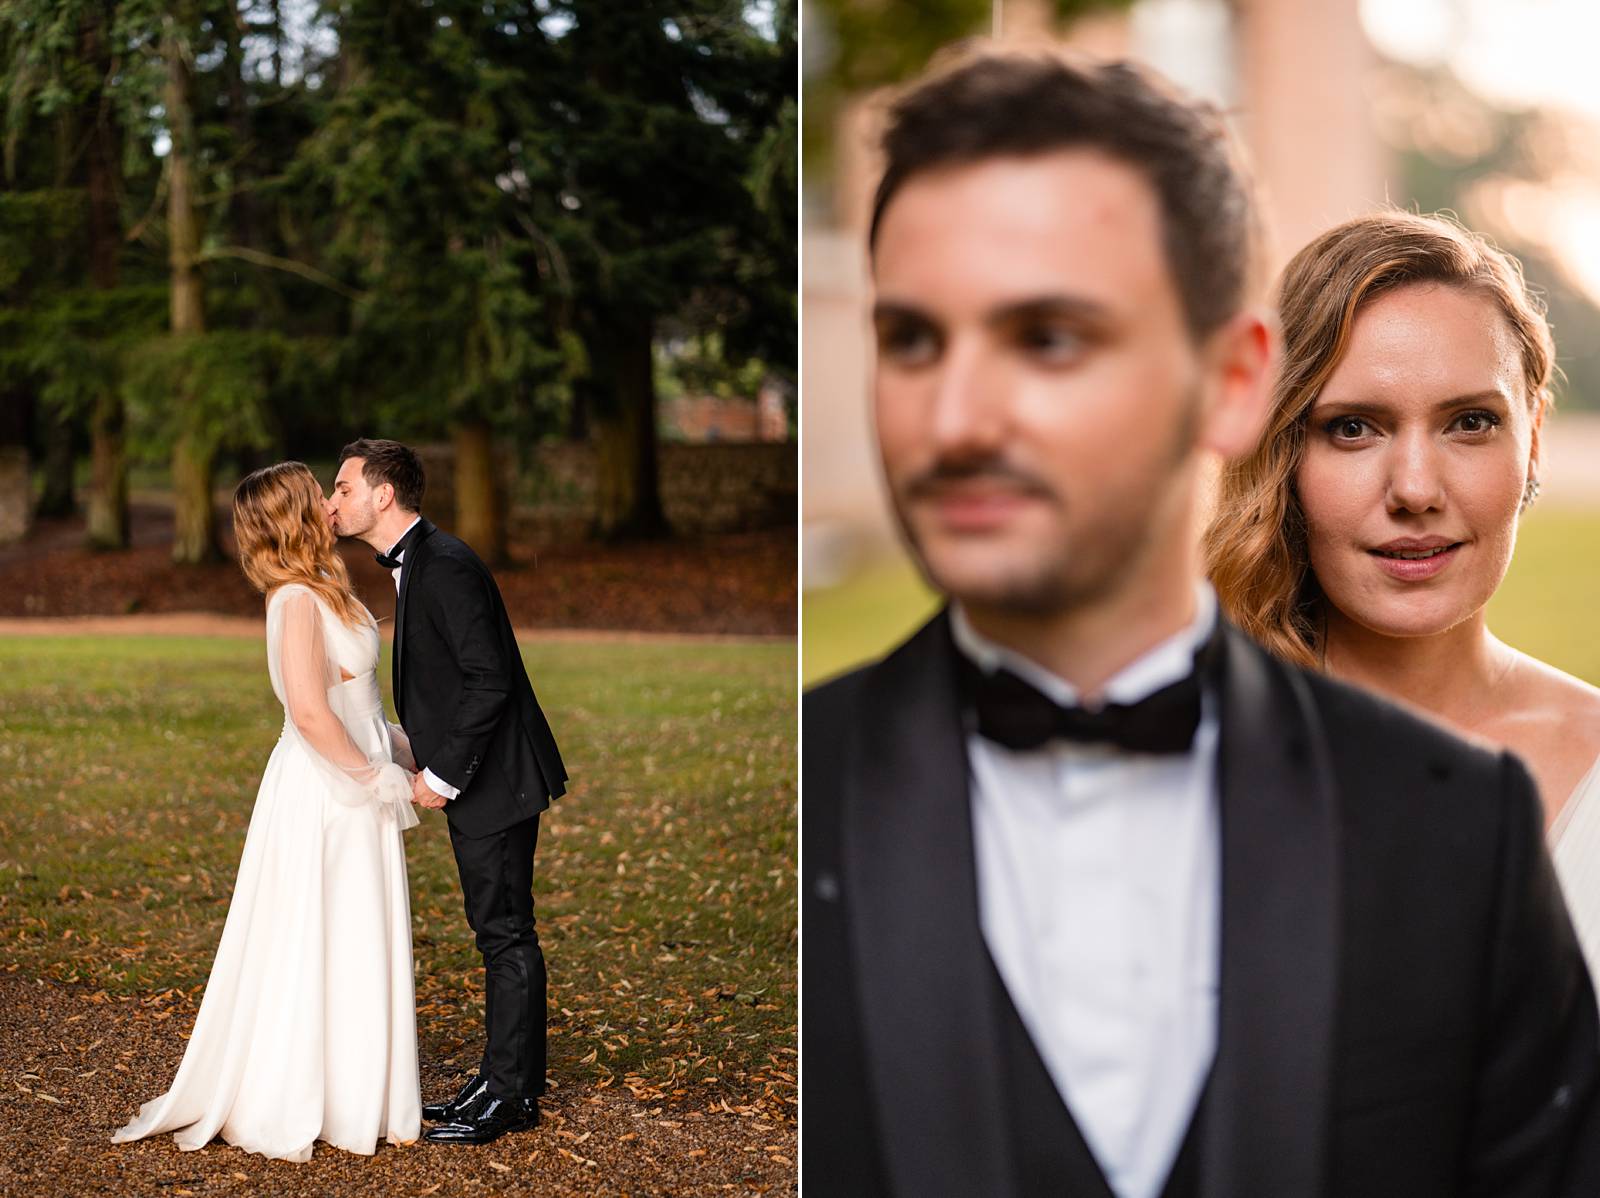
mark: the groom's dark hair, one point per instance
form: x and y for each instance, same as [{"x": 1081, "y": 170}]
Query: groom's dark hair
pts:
[
  {"x": 389, "y": 462},
  {"x": 1015, "y": 104}
]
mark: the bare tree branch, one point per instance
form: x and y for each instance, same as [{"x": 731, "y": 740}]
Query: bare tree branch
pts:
[{"x": 247, "y": 254}]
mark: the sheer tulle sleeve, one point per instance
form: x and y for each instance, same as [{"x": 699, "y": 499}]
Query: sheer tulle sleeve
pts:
[
  {"x": 302, "y": 674},
  {"x": 402, "y": 746}
]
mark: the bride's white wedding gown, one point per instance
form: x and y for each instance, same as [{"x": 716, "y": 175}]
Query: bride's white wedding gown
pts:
[
  {"x": 307, "y": 1030},
  {"x": 1575, "y": 848}
]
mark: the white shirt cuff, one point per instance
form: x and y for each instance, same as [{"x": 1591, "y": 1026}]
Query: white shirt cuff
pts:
[{"x": 439, "y": 786}]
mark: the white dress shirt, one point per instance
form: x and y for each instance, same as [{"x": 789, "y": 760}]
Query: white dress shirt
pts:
[
  {"x": 1099, "y": 888},
  {"x": 435, "y": 783}
]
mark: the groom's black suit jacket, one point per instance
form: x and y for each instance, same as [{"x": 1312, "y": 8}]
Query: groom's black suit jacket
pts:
[
  {"x": 461, "y": 690},
  {"x": 1403, "y": 1008}
]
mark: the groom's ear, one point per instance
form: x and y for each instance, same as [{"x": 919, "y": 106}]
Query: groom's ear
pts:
[{"x": 383, "y": 496}]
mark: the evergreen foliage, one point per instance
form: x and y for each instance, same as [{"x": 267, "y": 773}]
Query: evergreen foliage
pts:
[{"x": 250, "y": 229}]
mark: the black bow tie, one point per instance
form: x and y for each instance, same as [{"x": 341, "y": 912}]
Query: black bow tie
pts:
[
  {"x": 387, "y": 562},
  {"x": 1016, "y": 714}
]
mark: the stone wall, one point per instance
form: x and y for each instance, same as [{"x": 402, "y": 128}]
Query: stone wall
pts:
[{"x": 708, "y": 488}]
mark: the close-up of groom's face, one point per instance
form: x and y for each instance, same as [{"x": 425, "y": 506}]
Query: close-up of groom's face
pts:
[{"x": 1036, "y": 384}]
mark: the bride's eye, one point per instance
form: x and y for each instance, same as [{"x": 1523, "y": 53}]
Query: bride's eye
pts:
[
  {"x": 1476, "y": 423},
  {"x": 1347, "y": 428}
]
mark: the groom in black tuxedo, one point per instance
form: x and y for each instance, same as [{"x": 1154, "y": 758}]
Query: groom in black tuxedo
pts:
[
  {"x": 484, "y": 753},
  {"x": 1100, "y": 899}
]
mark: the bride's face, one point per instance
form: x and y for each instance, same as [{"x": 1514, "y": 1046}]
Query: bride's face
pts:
[{"x": 1416, "y": 457}]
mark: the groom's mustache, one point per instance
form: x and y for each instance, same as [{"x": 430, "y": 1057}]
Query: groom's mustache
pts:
[{"x": 950, "y": 473}]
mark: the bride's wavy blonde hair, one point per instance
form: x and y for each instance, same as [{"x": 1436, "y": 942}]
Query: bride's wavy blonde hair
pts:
[
  {"x": 284, "y": 537},
  {"x": 1255, "y": 547}
]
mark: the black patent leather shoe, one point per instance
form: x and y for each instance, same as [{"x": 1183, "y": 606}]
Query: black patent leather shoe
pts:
[
  {"x": 446, "y": 1112},
  {"x": 486, "y": 1119}
]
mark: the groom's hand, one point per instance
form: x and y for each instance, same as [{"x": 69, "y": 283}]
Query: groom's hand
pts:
[{"x": 424, "y": 795}]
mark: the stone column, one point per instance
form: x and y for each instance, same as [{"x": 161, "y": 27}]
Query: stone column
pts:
[{"x": 1305, "y": 69}]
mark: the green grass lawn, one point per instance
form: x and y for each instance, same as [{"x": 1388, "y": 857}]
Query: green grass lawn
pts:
[
  {"x": 664, "y": 884},
  {"x": 1548, "y": 606},
  {"x": 859, "y": 620}
]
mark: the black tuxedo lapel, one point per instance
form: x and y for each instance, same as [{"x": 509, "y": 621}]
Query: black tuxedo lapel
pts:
[
  {"x": 927, "y": 999},
  {"x": 1268, "y": 1108},
  {"x": 414, "y": 545}
]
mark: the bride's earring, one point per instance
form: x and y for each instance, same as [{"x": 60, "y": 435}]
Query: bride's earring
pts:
[{"x": 1530, "y": 493}]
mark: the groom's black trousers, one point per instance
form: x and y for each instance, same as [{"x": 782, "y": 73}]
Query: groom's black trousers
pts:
[{"x": 497, "y": 880}]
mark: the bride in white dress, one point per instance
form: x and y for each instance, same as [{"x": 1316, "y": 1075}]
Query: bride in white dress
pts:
[
  {"x": 1368, "y": 532},
  {"x": 307, "y": 1030}
]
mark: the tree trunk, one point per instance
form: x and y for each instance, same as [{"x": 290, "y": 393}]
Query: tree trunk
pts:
[
  {"x": 57, "y": 498},
  {"x": 100, "y": 160},
  {"x": 193, "y": 453},
  {"x": 16, "y": 494},
  {"x": 242, "y": 203},
  {"x": 195, "y": 532},
  {"x": 480, "y": 499},
  {"x": 627, "y": 482},
  {"x": 108, "y": 479},
  {"x": 277, "y": 45},
  {"x": 183, "y": 228},
  {"x": 578, "y": 413},
  {"x": 54, "y": 423},
  {"x": 16, "y": 480}
]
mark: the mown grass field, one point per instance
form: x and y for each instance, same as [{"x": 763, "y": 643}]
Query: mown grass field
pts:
[
  {"x": 665, "y": 879},
  {"x": 1549, "y": 604}
]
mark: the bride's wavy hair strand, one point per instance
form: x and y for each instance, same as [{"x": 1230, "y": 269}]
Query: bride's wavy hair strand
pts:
[
  {"x": 1256, "y": 545},
  {"x": 283, "y": 537}
]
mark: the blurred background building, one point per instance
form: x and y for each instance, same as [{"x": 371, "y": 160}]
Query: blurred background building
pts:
[{"x": 1487, "y": 108}]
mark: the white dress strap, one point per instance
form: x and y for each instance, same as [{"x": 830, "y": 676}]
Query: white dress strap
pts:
[{"x": 1575, "y": 848}]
